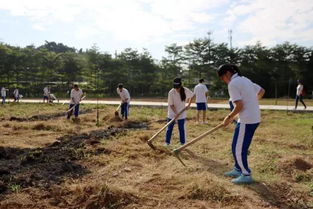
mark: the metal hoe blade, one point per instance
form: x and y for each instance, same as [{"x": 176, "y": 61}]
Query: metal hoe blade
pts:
[
  {"x": 176, "y": 154},
  {"x": 151, "y": 145}
]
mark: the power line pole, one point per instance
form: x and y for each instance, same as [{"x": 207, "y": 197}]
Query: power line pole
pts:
[{"x": 230, "y": 38}]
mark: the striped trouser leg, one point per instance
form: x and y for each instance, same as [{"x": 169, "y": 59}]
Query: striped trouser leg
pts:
[{"x": 241, "y": 142}]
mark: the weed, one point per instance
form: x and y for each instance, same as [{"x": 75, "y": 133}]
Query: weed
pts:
[{"x": 16, "y": 188}]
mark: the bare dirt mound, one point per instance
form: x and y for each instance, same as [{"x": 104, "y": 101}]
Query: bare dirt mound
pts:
[
  {"x": 294, "y": 164},
  {"x": 282, "y": 195},
  {"x": 47, "y": 116}
]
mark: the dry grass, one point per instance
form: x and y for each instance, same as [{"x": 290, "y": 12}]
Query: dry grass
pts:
[{"x": 111, "y": 166}]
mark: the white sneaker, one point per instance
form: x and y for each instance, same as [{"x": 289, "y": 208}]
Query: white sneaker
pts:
[{"x": 166, "y": 145}]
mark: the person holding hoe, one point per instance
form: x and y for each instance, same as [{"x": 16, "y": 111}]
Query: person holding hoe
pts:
[
  {"x": 245, "y": 95},
  {"x": 76, "y": 96},
  {"x": 177, "y": 98},
  {"x": 125, "y": 97}
]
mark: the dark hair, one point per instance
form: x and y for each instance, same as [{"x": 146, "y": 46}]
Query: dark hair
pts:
[
  {"x": 178, "y": 84},
  {"x": 75, "y": 86},
  {"x": 201, "y": 80},
  {"x": 120, "y": 85},
  {"x": 223, "y": 69}
]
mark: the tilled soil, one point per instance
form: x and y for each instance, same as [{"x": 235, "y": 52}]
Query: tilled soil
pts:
[
  {"x": 47, "y": 116},
  {"x": 44, "y": 167}
]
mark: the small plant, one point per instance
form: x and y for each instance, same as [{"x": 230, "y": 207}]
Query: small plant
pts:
[{"x": 15, "y": 188}]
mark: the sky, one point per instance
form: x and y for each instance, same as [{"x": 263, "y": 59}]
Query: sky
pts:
[{"x": 113, "y": 25}]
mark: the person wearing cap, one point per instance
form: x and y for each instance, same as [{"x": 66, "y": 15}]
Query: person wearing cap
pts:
[
  {"x": 76, "y": 96},
  {"x": 125, "y": 99},
  {"x": 245, "y": 95},
  {"x": 177, "y": 98},
  {"x": 201, "y": 93},
  {"x": 299, "y": 94}
]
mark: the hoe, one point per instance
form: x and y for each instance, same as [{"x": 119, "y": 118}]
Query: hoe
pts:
[
  {"x": 177, "y": 151},
  {"x": 149, "y": 142}
]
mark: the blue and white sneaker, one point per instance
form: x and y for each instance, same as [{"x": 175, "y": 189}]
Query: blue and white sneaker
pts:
[
  {"x": 233, "y": 173},
  {"x": 242, "y": 179}
]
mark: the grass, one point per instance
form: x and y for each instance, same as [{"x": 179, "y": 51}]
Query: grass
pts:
[{"x": 121, "y": 171}]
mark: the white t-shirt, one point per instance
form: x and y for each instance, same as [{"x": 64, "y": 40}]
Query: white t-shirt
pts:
[
  {"x": 124, "y": 94},
  {"x": 200, "y": 91},
  {"x": 46, "y": 91},
  {"x": 3, "y": 92},
  {"x": 76, "y": 96},
  {"x": 174, "y": 99},
  {"x": 299, "y": 89},
  {"x": 241, "y": 88},
  {"x": 16, "y": 93}
]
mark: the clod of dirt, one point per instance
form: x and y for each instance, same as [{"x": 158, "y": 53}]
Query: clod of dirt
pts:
[
  {"x": 3, "y": 187},
  {"x": 31, "y": 157},
  {"x": 6, "y": 125},
  {"x": 8, "y": 152},
  {"x": 130, "y": 124},
  {"x": 103, "y": 150},
  {"x": 4, "y": 171},
  {"x": 3, "y": 153},
  {"x": 92, "y": 142},
  {"x": 296, "y": 163},
  {"x": 302, "y": 165},
  {"x": 115, "y": 119},
  {"x": 43, "y": 127}
]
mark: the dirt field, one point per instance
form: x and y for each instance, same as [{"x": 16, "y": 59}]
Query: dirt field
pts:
[{"x": 47, "y": 161}]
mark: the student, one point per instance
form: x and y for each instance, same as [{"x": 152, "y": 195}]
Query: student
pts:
[
  {"x": 299, "y": 94},
  {"x": 16, "y": 95},
  {"x": 4, "y": 94},
  {"x": 46, "y": 94},
  {"x": 125, "y": 97},
  {"x": 244, "y": 94},
  {"x": 177, "y": 98},
  {"x": 76, "y": 96},
  {"x": 201, "y": 92}
]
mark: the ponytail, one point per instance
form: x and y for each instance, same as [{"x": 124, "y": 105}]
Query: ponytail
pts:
[
  {"x": 236, "y": 69},
  {"x": 182, "y": 93}
]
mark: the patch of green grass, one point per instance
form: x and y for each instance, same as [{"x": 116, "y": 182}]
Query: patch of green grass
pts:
[{"x": 16, "y": 188}]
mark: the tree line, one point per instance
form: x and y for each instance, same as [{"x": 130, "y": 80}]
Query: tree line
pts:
[{"x": 31, "y": 68}]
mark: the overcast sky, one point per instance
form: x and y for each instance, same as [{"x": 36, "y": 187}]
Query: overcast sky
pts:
[{"x": 153, "y": 24}]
